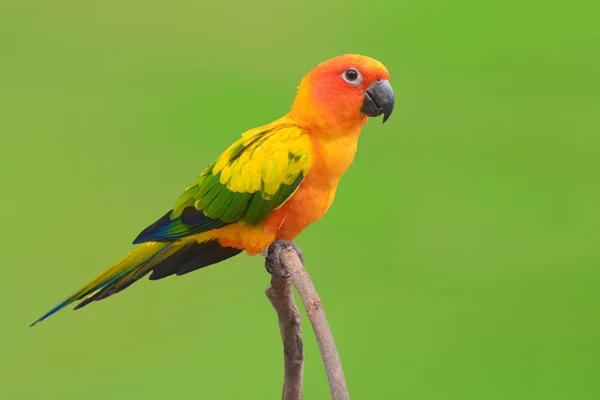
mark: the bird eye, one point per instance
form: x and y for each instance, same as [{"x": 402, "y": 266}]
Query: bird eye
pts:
[{"x": 352, "y": 76}]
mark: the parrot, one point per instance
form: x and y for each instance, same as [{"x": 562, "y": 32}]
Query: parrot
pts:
[{"x": 265, "y": 189}]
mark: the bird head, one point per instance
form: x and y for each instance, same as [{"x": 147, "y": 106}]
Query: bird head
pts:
[{"x": 341, "y": 93}]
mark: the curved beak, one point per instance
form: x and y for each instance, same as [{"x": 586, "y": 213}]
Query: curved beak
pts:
[{"x": 378, "y": 99}]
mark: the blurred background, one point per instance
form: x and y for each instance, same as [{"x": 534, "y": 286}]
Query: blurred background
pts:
[{"x": 459, "y": 261}]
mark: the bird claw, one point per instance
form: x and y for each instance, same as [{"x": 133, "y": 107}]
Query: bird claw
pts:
[{"x": 273, "y": 261}]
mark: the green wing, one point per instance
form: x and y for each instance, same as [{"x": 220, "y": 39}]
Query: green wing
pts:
[{"x": 253, "y": 177}]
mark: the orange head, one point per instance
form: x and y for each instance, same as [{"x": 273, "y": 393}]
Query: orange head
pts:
[{"x": 338, "y": 95}]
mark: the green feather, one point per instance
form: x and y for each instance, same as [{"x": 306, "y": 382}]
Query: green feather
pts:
[
  {"x": 236, "y": 208},
  {"x": 236, "y": 152},
  {"x": 186, "y": 199},
  {"x": 285, "y": 191},
  {"x": 253, "y": 210},
  {"x": 209, "y": 196},
  {"x": 217, "y": 207},
  {"x": 206, "y": 185},
  {"x": 265, "y": 210}
]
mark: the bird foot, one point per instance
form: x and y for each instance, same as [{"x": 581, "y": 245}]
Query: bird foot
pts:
[{"x": 272, "y": 260}]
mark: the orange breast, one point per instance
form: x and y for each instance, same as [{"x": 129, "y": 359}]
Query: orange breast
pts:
[
  {"x": 331, "y": 158},
  {"x": 307, "y": 205}
]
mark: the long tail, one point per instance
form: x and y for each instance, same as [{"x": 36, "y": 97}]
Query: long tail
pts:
[
  {"x": 161, "y": 258},
  {"x": 139, "y": 256}
]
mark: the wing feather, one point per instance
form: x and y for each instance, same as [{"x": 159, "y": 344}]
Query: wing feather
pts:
[{"x": 253, "y": 177}]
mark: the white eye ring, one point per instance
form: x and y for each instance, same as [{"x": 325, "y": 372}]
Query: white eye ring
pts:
[{"x": 352, "y": 76}]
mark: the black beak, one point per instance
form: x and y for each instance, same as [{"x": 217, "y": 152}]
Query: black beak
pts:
[{"x": 378, "y": 99}]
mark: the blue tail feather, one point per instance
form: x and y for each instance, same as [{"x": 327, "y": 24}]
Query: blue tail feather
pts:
[{"x": 71, "y": 298}]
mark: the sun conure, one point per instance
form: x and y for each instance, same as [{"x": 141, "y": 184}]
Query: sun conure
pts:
[{"x": 266, "y": 188}]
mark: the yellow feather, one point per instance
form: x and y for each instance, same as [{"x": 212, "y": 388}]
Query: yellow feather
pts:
[
  {"x": 262, "y": 161},
  {"x": 271, "y": 177},
  {"x": 225, "y": 175}
]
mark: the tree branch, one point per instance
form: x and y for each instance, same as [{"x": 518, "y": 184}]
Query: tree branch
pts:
[
  {"x": 316, "y": 315},
  {"x": 282, "y": 298}
]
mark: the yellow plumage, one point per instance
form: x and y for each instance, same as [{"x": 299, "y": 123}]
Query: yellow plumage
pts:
[
  {"x": 269, "y": 185},
  {"x": 264, "y": 164}
]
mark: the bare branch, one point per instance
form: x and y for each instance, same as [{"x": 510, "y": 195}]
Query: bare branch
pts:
[
  {"x": 282, "y": 298},
  {"x": 316, "y": 314}
]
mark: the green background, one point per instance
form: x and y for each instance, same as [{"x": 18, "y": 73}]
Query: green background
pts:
[{"x": 459, "y": 261}]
